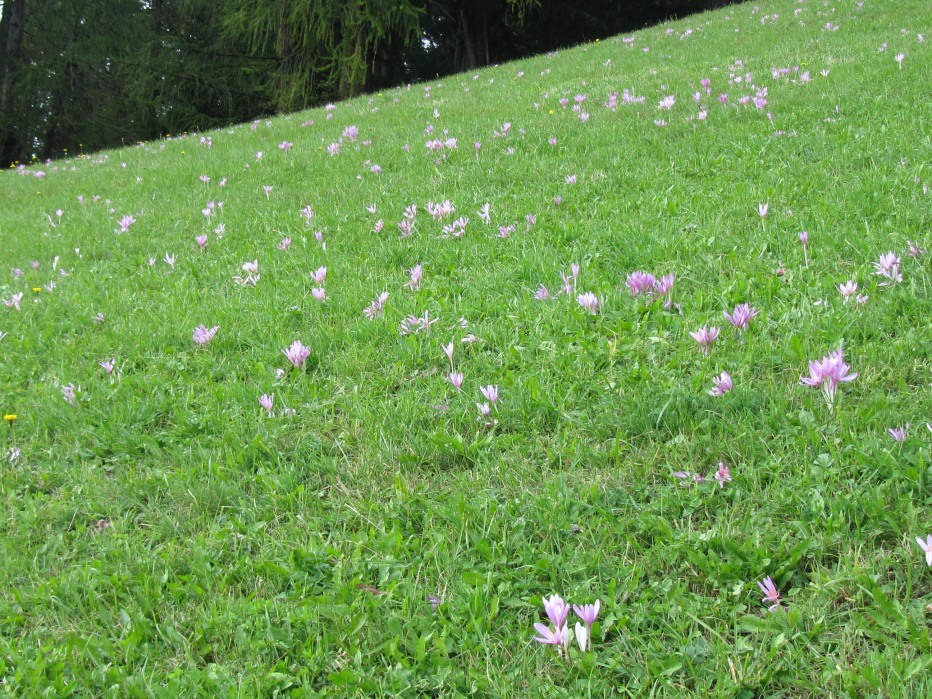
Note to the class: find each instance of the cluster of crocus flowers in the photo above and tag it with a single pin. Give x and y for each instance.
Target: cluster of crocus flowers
(642, 283)
(203, 334)
(705, 337)
(559, 634)
(589, 302)
(721, 476)
(722, 384)
(297, 354)
(889, 268)
(742, 315)
(374, 309)
(827, 373)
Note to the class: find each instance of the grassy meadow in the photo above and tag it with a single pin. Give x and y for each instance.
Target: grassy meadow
(504, 397)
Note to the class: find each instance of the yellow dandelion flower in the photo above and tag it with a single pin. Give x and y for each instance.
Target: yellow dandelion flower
(10, 418)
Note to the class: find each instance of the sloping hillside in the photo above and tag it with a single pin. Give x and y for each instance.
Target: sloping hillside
(529, 374)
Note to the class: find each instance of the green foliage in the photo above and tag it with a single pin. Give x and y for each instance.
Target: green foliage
(320, 48)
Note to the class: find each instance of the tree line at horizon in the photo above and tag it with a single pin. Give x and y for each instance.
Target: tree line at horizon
(81, 75)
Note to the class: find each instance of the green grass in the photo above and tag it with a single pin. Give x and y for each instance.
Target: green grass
(165, 537)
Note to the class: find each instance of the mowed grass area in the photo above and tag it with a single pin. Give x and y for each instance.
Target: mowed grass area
(373, 534)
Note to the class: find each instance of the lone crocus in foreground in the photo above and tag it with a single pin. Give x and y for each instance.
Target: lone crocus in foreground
(828, 373)
(203, 335)
(297, 353)
(927, 547)
(705, 337)
(771, 593)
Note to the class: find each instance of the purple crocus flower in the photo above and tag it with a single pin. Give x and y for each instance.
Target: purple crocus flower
(741, 316)
(557, 610)
(589, 301)
(723, 384)
(203, 335)
(266, 401)
(899, 433)
(588, 612)
(827, 373)
(771, 594)
(705, 337)
(297, 353)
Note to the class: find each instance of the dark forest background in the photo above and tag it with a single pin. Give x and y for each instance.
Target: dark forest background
(90, 74)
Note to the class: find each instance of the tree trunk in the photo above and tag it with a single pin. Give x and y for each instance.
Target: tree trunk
(12, 25)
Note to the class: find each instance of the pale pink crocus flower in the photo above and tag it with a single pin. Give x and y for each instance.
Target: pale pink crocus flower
(723, 384)
(899, 59)
(297, 353)
(484, 410)
(490, 392)
(899, 434)
(267, 188)
(266, 401)
(285, 244)
(848, 289)
(589, 302)
(416, 273)
(912, 249)
(926, 546)
(828, 373)
(203, 335)
(762, 209)
(448, 350)
(455, 378)
(571, 179)
(319, 275)
(771, 594)
(14, 300)
(705, 337)
(201, 241)
(251, 267)
(542, 293)
(588, 612)
(889, 267)
(170, 260)
(741, 316)
(804, 239)
(125, 223)
(107, 365)
(557, 610)
(374, 310)
(559, 637)
(319, 293)
(69, 393)
(722, 475)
